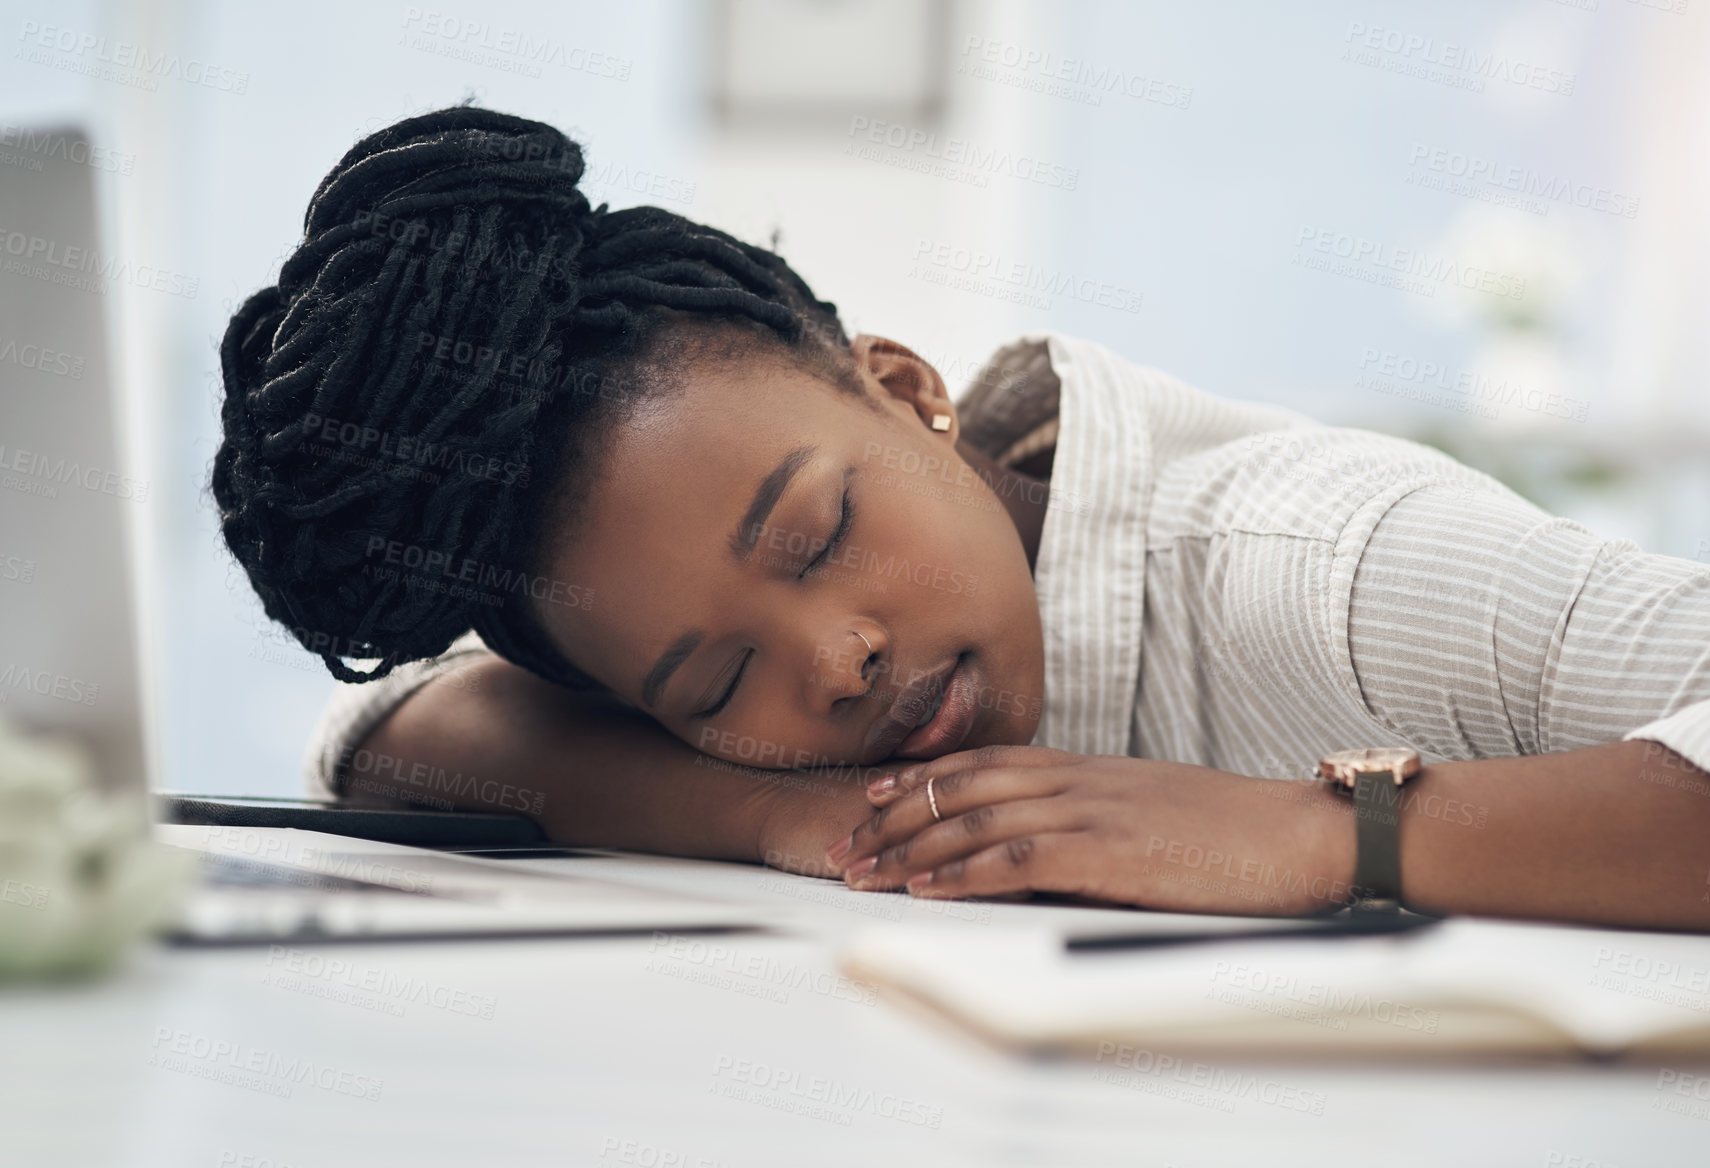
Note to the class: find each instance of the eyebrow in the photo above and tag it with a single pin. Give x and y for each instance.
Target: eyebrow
(742, 542)
(667, 664)
(766, 497)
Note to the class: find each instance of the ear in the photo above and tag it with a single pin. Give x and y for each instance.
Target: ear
(909, 381)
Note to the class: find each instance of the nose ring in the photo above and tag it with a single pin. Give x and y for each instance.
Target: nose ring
(864, 641)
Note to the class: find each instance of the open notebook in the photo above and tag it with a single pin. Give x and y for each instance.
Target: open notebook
(1459, 987)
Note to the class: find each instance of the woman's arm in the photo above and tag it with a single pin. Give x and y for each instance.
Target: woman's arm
(490, 736)
(1615, 834)
(1479, 629)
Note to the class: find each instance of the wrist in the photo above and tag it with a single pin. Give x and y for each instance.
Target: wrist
(1327, 834)
(802, 813)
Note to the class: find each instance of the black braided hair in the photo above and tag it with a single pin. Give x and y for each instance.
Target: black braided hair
(456, 302)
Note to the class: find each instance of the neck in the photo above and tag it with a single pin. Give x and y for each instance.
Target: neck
(1022, 496)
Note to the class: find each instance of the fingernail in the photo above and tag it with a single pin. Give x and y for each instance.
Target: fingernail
(883, 786)
(839, 849)
(861, 867)
(919, 880)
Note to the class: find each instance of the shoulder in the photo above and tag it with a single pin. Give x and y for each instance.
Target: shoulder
(353, 710)
(1306, 481)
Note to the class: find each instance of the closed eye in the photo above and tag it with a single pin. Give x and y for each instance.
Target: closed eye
(729, 690)
(845, 519)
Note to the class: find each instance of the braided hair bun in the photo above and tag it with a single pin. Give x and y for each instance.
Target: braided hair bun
(399, 404)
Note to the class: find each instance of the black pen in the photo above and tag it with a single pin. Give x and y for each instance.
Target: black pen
(1338, 926)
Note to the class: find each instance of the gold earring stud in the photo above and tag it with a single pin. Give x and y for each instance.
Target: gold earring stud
(941, 422)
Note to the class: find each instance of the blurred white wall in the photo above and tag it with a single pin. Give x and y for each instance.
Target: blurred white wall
(1262, 198)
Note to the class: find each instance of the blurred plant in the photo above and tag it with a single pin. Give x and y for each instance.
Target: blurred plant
(1551, 476)
(79, 877)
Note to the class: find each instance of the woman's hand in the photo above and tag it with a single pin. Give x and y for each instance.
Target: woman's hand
(802, 812)
(1156, 834)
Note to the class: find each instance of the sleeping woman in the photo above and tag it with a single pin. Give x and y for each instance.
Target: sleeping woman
(604, 519)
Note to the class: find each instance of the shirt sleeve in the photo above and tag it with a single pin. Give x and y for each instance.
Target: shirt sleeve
(1480, 626)
(354, 709)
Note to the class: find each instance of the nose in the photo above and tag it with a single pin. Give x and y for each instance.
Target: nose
(846, 665)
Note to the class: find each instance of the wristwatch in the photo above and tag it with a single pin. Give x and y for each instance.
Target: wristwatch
(1374, 777)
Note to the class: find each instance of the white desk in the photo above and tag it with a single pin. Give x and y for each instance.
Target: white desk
(610, 1052)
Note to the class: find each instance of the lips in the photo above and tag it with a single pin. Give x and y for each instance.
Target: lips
(949, 693)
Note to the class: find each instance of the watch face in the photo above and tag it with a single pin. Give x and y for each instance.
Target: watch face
(1346, 766)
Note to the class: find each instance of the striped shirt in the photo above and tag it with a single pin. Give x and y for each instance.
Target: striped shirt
(1231, 585)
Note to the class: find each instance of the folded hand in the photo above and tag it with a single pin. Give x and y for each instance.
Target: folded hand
(1135, 831)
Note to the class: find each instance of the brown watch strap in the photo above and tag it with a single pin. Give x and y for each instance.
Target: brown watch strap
(1377, 856)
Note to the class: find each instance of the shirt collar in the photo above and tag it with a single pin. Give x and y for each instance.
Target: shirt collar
(1090, 574)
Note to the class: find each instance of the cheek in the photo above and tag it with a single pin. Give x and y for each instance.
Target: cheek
(940, 523)
(960, 542)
